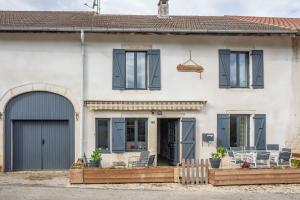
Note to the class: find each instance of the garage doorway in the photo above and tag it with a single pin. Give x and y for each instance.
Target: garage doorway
(167, 142)
(40, 145)
(39, 132)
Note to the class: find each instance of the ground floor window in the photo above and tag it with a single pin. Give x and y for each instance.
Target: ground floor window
(136, 133)
(102, 134)
(239, 130)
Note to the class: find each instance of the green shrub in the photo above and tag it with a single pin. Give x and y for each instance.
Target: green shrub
(219, 154)
(96, 155)
(296, 163)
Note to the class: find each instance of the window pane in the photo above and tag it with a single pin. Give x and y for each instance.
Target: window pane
(243, 64)
(141, 134)
(233, 131)
(129, 70)
(141, 70)
(239, 130)
(244, 133)
(130, 129)
(233, 69)
(103, 134)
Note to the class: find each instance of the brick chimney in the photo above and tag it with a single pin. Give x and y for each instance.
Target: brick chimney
(163, 8)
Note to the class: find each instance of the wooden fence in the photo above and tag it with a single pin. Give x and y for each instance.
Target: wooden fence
(193, 171)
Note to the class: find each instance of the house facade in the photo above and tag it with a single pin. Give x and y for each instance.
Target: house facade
(72, 82)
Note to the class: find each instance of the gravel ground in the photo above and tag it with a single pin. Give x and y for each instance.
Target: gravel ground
(54, 185)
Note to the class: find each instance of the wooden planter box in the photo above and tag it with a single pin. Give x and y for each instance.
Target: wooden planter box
(218, 177)
(134, 175)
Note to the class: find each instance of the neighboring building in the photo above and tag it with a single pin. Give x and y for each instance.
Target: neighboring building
(134, 96)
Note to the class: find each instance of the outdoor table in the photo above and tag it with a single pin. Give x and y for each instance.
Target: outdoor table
(250, 155)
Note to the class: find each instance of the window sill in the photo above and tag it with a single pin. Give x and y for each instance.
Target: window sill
(240, 89)
(136, 89)
(133, 151)
(106, 152)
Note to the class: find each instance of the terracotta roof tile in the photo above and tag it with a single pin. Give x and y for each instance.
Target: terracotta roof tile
(79, 20)
(289, 23)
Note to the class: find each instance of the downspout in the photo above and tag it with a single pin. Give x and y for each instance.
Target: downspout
(82, 37)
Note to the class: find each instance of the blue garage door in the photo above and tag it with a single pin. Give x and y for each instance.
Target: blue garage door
(39, 132)
(40, 145)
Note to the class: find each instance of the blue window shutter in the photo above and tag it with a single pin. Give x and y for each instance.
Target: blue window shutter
(119, 69)
(154, 69)
(258, 69)
(260, 131)
(223, 123)
(224, 68)
(118, 135)
(188, 138)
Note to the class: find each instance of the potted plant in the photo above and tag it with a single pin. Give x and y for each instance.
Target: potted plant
(216, 157)
(96, 158)
(245, 165)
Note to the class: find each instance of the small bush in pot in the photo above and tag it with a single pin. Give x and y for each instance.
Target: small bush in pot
(216, 157)
(96, 158)
(245, 165)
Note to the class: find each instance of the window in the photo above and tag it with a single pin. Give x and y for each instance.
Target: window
(239, 69)
(136, 70)
(136, 130)
(239, 130)
(102, 134)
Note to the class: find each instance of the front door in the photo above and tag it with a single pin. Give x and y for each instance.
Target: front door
(173, 141)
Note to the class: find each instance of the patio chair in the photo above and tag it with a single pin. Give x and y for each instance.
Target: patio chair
(284, 159)
(261, 148)
(85, 160)
(139, 161)
(272, 147)
(250, 148)
(151, 160)
(236, 148)
(262, 160)
(286, 150)
(234, 158)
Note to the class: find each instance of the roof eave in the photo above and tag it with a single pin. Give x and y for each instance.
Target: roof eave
(144, 30)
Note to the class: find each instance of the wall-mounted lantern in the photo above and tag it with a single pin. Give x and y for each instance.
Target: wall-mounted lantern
(77, 116)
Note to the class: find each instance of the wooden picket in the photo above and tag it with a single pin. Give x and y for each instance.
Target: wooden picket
(193, 171)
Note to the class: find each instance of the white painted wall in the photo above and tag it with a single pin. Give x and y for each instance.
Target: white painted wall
(55, 59)
(274, 100)
(46, 58)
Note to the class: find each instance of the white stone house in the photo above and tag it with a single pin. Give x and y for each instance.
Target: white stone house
(71, 82)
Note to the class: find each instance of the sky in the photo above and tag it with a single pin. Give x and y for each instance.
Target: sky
(279, 8)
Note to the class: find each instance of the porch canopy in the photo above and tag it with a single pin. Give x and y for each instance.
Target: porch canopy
(145, 105)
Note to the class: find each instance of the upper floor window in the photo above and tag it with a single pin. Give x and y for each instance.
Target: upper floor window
(234, 70)
(136, 70)
(239, 69)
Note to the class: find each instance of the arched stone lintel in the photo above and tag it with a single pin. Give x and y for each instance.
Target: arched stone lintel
(34, 87)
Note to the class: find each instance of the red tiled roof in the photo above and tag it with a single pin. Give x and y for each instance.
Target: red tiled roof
(61, 20)
(289, 23)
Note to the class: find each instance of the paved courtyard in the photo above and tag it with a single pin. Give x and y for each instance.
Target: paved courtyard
(54, 185)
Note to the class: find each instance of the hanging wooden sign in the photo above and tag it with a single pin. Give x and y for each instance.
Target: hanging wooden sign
(190, 66)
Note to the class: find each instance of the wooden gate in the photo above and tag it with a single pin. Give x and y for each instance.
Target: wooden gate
(193, 171)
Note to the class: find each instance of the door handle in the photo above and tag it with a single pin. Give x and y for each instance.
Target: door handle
(43, 141)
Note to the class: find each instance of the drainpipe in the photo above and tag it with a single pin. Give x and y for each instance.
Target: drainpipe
(82, 94)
